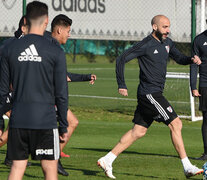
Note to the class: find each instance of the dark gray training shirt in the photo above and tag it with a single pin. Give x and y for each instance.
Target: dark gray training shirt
(152, 55)
(199, 49)
(36, 68)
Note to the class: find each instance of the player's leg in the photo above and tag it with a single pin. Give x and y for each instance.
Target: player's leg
(204, 135)
(177, 140)
(18, 152)
(46, 148)
(129, 138)
(141, 124)
(17, 169)
(203, 108)
(176, 136)
(126, 140)
(166, 114)
(49, 168)
(73, 123)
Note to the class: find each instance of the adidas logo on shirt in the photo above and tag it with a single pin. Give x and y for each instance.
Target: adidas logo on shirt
(156, 51)
(30, 54)
(205, 43)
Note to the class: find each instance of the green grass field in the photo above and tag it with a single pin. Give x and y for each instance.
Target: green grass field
(104, 121)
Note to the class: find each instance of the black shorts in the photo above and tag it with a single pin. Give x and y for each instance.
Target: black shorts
(203, 99)
(153, 107)
(42, 144)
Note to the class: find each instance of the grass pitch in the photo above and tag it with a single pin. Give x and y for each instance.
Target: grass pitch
(104, 121)
(152, 157)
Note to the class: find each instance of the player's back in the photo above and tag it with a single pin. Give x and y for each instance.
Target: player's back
(32, 60)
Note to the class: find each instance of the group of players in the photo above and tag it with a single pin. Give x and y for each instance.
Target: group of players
(60, 32)
(33, 70)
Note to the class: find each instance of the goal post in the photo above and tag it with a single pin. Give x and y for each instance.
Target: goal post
(176, 75)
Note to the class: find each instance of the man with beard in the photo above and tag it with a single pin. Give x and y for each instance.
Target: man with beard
(152, 53)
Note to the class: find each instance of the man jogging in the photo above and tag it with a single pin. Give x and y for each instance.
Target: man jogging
(152, 53)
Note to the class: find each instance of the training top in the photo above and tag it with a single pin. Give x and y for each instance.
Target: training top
(36, 68)
(200, 49)
(152, 57)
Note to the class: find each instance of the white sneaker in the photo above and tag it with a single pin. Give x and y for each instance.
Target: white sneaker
(192, 171)
(106, 167)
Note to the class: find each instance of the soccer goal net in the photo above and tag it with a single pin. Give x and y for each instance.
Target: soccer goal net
(177, 91)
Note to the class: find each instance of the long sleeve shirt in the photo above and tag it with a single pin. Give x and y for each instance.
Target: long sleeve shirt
(36, 68)
(152, 56)
(200, 49)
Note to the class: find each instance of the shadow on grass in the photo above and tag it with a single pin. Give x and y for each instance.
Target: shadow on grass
(32, 176)
(96, 173)
(126, 152)
(85, 171)
(122, 111)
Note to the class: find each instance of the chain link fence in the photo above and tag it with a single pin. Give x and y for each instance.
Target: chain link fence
(107, 27)
(123, 20)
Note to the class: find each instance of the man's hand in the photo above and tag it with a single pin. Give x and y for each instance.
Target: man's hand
(64, 137)
(93, 78)
(123, 92)
(68, 79)
(195, 93)
(196, 60)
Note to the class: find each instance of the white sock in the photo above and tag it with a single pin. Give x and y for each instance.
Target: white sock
(110, 157)
(186, 163)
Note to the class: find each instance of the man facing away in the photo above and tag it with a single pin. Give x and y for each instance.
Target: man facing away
(152, 53)
(200, 49)
(36, 69)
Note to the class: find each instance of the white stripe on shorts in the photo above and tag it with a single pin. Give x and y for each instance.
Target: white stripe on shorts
(158, 107)
(56, 144)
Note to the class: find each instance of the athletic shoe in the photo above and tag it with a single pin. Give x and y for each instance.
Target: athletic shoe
(106, 167)
(8, 162)
(61, 170)
(192, 171)
(62, 154)
(203, 157)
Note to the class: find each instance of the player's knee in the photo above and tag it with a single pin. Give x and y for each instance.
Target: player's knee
(176, 125)
(139, 134)
(74, 124)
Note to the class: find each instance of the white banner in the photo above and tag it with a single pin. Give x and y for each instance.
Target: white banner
(108, 19)
(10, 14)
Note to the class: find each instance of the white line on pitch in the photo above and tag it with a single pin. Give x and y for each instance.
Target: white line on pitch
(117, 98)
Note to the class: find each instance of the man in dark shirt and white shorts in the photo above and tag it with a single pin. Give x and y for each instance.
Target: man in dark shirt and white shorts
(152, 53)
(36, 69)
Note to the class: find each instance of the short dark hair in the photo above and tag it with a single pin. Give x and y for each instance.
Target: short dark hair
(18, 32)
(35, 10)
(61, 20)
